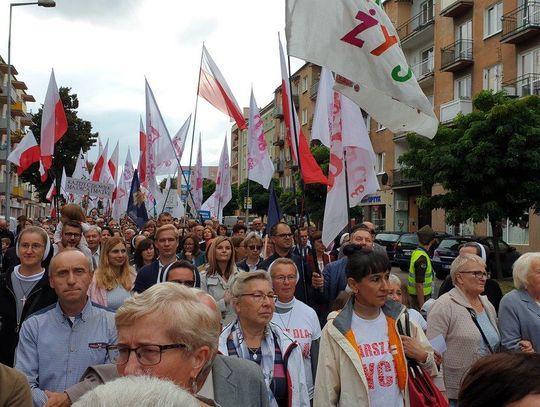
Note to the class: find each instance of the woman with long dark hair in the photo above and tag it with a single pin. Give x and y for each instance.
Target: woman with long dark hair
(145, 253)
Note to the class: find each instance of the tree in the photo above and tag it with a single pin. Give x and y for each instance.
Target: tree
(259, 196)
(488, 163)
(78, 135)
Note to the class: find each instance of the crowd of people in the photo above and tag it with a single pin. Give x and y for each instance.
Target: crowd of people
(252, 316)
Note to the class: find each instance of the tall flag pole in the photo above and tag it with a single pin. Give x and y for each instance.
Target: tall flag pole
(358, 41)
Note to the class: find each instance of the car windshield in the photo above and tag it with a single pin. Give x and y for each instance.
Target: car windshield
(452, 244)
(387, 237)
(409, 239)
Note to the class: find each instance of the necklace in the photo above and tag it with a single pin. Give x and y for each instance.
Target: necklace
(254, 352)
(286, 327)
(23, 299)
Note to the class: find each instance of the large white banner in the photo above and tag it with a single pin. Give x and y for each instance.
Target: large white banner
(87, 187)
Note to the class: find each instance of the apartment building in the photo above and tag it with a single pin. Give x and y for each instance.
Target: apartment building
(22, 194)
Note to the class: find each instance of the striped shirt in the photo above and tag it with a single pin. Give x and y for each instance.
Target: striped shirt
(55, 350)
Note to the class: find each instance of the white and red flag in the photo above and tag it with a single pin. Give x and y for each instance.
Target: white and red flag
(113, 169)
(81, 169)
(143, 159)
(214, 88)
(53, 122)
(311, 172)
(120, 204)
(100, 165)
(197, 180)
(26, 153)
(52, 191)
(260, 166)
(179, 140)
(356, 39)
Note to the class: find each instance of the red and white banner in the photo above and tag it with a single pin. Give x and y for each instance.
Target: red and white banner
(100, 165)
(214, 88)
(53, 122)
(260, 166)
(143, 159)
(26, 153)
(356, 39)
(311, 172)
(120, 204)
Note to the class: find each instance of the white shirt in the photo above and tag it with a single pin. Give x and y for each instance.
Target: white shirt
(379, 368)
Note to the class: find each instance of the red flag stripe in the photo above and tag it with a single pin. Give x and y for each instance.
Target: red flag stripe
(28, 157)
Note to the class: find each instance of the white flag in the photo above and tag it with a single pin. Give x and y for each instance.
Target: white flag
(335, 210)
(120, 204)
(356, 39)
(210, 205)
(223, 193)
(260, 166)
(322, 117)
(179, 140)
(197, 180)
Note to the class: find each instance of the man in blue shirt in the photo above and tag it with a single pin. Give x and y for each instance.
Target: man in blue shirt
(58, 343)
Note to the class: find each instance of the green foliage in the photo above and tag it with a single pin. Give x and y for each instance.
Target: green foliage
(208, 188)
(488, 162)
(78, 135)
(164, 181)
(259, 196)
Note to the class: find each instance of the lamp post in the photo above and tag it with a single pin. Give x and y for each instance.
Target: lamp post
(42, 3)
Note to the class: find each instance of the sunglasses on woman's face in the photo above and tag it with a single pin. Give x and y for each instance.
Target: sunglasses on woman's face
(253, 247)
(187, 283)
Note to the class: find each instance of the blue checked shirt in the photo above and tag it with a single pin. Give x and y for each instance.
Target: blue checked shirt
(53, 352)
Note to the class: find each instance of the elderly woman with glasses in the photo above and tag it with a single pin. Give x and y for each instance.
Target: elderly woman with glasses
(253, 245)
(465, 319)
(252, 336)
(519, 312)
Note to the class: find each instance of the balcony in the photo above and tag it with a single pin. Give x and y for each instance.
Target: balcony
(457, 56)
(521, 24)
(26, 120)
(450, 110)
(280, 141)
(424, 70)
(525, 85)
(4, 92)
(3, 153)
(17, 109)
(3, 125)
(291, 165)
(417, 30)
(313, 90)
(455, 8)
(400, 180)
(278, 112)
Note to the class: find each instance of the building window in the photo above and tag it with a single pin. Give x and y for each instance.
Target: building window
(379, 166)
(304, 117)
(304, 84)
(426, 12)
(492, 20)
(512, 233)
(493, 78)
(427, 61)
(463, 88)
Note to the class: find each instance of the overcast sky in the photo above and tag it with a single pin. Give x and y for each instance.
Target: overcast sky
(103, 49)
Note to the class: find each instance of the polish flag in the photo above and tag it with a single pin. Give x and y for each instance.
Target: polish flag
(100, 164)
(142, 155)
(113, 169)
(52, 191)
(214, 88)
(53, 122)
(26, 153)
(311, 172)
(42, 172)
(197, 183)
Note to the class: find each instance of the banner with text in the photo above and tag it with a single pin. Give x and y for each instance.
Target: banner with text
(87, 187)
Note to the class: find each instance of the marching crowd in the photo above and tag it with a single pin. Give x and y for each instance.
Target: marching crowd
(187, 312)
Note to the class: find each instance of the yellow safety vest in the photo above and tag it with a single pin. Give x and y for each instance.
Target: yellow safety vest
(428, 280)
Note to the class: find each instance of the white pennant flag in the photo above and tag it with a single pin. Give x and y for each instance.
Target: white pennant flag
(197, 180)
(322, 117)
(356, 39)
(335, 210)
(260, 166)
(122, 191)
(223, 193)
(179, 140)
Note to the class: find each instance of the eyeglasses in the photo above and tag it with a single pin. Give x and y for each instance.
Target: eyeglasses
(254, 247)
(147, 355)
(187, 283)
(478, 274)
(70, 235)
(282, 279)
(285, 235)
(33, 246)
(260, 297)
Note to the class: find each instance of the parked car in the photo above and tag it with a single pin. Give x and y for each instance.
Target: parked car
(388, 240)
(406, 244)
(448, 250)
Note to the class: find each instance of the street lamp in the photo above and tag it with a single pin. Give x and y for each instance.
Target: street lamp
(42, 3)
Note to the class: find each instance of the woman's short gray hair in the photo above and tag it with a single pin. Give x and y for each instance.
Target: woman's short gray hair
(283, 261)
(460, 261)
(393, 279)
(179, 307)
(521, 268)
(238, 284)
(252, 236)
(145, 391)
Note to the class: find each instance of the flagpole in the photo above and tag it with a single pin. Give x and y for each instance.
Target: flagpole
(295, 133)
(188, 185)
(247, 200)
(347, 190)
(169, 190)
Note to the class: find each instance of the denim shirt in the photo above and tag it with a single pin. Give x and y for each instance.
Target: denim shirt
(54, 352)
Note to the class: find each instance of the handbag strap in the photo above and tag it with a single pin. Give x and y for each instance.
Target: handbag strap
(475, 320)
(407, 332)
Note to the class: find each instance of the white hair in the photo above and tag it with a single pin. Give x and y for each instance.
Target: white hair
(143, 391)
(393, 279)
(460, 261)
(521, 269)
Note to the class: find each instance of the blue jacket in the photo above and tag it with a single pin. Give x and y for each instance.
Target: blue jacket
(146, 277)
(519, 319)
(335, 279)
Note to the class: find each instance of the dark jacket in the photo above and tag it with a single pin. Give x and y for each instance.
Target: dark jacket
(244, 266)
(146, 277)
(10, 259)
(41, 296)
